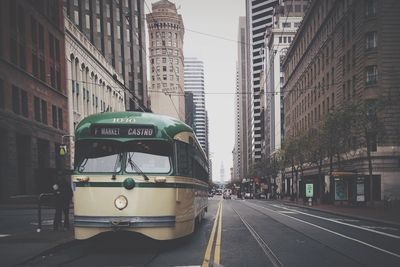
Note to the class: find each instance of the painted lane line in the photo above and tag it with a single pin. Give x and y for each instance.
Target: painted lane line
(4, 235)
(217, 252)
(207, 255)
(332, 232)
(267, 250)
(338, 221)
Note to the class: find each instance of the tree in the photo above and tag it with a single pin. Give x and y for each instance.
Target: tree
(369, 128)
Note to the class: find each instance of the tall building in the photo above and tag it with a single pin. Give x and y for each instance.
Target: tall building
(166, 32)
(93, 85)
(242, 148)
(242, 154)
(286, 20)
(116, 29)
(194, 83)
(259, 17)
(346, 52)
(33, 96)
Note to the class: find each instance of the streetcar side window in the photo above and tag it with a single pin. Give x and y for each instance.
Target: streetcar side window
(183, 159)
(190, 162)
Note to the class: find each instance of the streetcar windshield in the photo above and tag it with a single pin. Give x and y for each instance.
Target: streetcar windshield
(111, 163)
(148, 163)
(109, 156)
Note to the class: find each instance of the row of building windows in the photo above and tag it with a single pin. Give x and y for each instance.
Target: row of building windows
(317, 20)
(164, 60)
(163, 35)
(164, 51)
(19, 46)
(20, 106)
(164, 43)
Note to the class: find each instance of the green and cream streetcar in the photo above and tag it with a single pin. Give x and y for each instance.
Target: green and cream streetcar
(138, 172)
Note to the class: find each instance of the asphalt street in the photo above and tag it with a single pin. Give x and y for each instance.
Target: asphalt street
(243, 233)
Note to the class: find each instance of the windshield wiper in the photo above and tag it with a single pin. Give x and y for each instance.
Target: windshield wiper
(136, 167)
(114, 175)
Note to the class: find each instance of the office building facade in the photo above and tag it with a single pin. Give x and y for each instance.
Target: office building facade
(166, 31)
(116, 29)
(33, 96)
(194, 83)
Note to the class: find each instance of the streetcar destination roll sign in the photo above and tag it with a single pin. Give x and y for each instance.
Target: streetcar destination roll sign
(122, 131)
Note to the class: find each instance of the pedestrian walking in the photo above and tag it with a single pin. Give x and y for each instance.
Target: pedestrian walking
(63, 196)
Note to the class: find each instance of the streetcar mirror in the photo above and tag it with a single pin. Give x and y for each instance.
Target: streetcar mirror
(63, 150)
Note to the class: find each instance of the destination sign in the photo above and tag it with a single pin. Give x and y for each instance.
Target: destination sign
(123, 131)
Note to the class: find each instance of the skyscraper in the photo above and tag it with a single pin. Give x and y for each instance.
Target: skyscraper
(166, 32)
(115, 27)
(259, 17)
(241, 155)
(194, 83)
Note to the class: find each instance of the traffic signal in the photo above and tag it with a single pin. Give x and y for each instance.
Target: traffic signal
(63, 150)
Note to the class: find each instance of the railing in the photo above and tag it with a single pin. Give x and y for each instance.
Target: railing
(41, 198)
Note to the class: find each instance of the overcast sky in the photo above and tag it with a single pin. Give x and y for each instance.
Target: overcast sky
(219, 18)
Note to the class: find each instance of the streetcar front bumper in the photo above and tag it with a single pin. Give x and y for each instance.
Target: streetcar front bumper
(124, 221)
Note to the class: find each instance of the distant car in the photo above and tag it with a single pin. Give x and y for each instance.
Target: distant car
(210, 194)
(247, 195)
(261, 196)
(227, 195)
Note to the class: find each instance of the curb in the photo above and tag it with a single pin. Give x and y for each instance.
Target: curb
(391, 223)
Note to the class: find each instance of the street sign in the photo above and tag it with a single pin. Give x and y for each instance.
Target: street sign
(309, 190)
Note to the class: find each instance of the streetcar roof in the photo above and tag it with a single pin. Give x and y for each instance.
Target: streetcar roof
(165, 127)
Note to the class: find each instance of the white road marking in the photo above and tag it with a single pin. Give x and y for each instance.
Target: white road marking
(343, 223)
(345, 220)
(380, 227)
(332, 232)
(286, 211)
(4, 235)
(44, 222)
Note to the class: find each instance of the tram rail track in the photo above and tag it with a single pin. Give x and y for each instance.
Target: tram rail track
(261, 242)
(359, 263)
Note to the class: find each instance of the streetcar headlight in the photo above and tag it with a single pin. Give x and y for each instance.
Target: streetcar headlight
(121, 202)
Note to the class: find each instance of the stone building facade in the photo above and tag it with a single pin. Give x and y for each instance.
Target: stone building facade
(116, 28)
(33, 96)
(93, 85)
(343, 52)
(166, 32)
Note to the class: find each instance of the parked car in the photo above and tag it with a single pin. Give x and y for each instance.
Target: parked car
(247, 195)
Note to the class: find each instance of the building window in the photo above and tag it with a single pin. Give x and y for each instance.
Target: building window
(87, 21)
(97, 6)
(372, 74)
(40, 109)
(370, 8)
(76, 17)
(1, 94)
(371, 40)
(15, 100)
(98, 25)
(286, 24)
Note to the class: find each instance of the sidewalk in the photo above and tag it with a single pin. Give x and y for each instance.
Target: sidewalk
(375, 214)
(19, 239)
(19, 248)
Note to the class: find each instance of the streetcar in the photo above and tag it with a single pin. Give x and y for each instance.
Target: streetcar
(138, 172)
